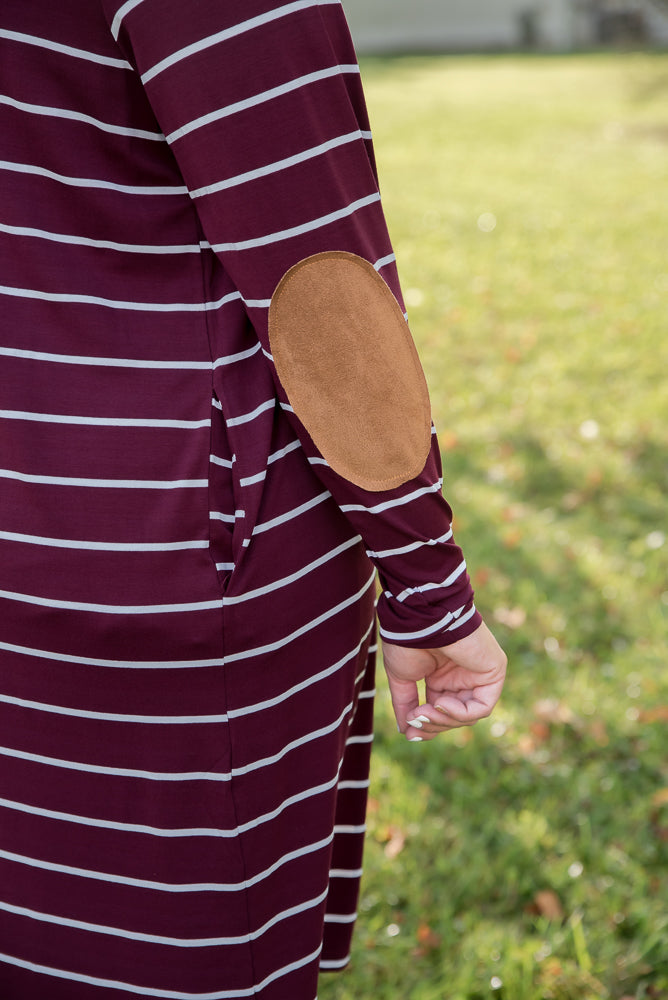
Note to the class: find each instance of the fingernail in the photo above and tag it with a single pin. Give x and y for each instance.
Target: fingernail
(415, 739)
(416, 723)
(398, 728)
(423, 718)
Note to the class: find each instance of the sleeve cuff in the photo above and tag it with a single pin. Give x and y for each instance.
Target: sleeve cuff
(425, 626)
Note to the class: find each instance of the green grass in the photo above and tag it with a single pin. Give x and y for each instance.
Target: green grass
(527, 859)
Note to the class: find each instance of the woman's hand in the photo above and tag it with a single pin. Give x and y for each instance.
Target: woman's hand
(463, 683)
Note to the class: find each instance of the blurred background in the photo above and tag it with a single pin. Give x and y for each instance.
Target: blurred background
(548, 25)
(523, 157)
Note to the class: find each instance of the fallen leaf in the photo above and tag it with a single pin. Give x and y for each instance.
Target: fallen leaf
(660, 798)
(548, 904)
(600, 733)
(448, 440)
(510, 617)
(512, 538)
(526, 745)
(395, 844)
(540, 732)
(658, 714)
(551, 710)
(428, 940)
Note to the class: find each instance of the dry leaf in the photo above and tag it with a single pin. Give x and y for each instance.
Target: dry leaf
(599, 732)
(428, 940)
(448, 440)
(526, 745)
(510, 617)
(551, 710)
(658, 714)
(548, 904)
(512, 538)
(660, 798)
(395, 844)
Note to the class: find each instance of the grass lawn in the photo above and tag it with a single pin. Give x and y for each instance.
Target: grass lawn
(527, 859)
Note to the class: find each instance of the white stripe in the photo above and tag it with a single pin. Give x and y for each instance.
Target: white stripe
(456, 573)
(230, 359)
(293, 745)
(83, 925)
(263, 97)
(257, 304)
(354, 740)
(274, 457)
(345, 873)
(176, 887)
(314, 623)
(437, 627)
(112, 484)
(464, 618)
(334, 963)
(67, 50)
(76, 359)
(291, 514)
(278, 165)
(173, 832)
(216, 515)
(120, 14)
(49, 112)
(91, 182)
(224, 463)
(236, 713)
(95, 300)
(147, 991)
(403, 549)
(285, 581)
(340, 918)
(111, 609)
(353, 784)
(71, 543)
(245, 418)
(400, 501)
(81, 713)
(345, 828)
(62, 418)
(306, 227)
(91, 661)
(121, 772)
(84, 241)
(384, 261)
(223, 566)
(222, 36)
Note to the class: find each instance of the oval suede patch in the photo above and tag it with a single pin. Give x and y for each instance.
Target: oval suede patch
(347, 361)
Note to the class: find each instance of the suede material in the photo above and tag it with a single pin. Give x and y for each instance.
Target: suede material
(346, 359)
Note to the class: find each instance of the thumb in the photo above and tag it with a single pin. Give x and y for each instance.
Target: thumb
(404, 695)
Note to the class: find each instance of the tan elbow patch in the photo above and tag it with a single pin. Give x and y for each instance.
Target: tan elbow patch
(347, 361)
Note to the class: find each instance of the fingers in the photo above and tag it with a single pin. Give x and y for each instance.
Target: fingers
(405, 699)
(452, 711)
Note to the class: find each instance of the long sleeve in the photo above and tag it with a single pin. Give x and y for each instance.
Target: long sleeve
(262, 106)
